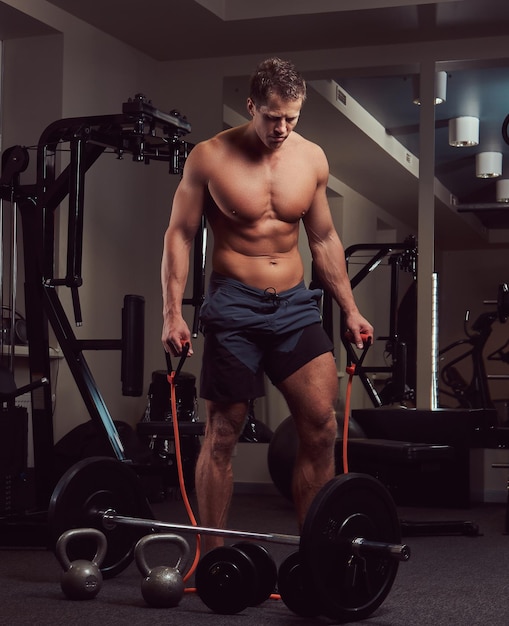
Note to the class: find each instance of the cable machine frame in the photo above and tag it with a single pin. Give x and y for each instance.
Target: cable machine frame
(147, 134)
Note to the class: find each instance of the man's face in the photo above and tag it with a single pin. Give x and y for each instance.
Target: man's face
(274, 120)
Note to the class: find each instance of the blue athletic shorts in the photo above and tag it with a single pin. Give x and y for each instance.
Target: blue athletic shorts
(249, 332)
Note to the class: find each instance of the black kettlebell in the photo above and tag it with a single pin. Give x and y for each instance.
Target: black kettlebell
(162, 586)
(81, 579)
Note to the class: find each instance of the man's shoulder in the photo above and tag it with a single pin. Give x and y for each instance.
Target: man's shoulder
(309, 149)
(223, 138)
(306, 143)
(210, 147)
(203, 151)
(207, 154)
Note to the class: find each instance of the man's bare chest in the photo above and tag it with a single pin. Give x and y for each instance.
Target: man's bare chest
(253, 191)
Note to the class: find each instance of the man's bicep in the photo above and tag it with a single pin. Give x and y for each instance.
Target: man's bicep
(190, 197)
(187, 208)
(318, 220)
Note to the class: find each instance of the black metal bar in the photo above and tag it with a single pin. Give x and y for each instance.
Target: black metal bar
(199, 258)
(56, 189)
(381, 251)
(38, 356)
(133, 345)
(393, 305)
(75, 217)
(82, 375)
(369, 267)
(46, 179)
(99, 344)
(76, 305)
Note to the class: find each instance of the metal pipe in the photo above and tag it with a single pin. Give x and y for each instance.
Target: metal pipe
(359, 545)
(2, 275)
(13, 282)
(434, 341)
(110, 519)
(362, 547)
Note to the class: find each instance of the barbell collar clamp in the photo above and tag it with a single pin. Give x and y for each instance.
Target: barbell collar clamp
(361, 547)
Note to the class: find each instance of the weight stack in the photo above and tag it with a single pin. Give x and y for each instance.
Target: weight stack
(156, 428)
(13, 459)
(159, 396)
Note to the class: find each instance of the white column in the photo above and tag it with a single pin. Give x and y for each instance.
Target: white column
(426, 238)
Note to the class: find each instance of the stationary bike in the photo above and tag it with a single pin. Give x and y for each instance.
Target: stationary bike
(475, 394)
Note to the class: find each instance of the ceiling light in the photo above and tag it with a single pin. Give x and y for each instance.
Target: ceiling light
(464, 131)
(440, 88)
(503, 190)
(488, 164)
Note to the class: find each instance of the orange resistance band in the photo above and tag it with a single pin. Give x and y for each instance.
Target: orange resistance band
(350, 370)
(178, 456)
(180, 472)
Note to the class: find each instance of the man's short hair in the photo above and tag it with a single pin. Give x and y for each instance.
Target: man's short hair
(275, 76)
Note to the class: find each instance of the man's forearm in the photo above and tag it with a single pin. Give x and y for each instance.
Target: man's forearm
(174, 273)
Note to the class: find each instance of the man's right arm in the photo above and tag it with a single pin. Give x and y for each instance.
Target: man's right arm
(185, 219)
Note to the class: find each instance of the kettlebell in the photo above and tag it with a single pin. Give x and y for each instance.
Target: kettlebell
(81, 579)
(162, 586)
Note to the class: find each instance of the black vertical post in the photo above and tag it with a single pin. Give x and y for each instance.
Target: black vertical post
(133, 345)
(39, 361)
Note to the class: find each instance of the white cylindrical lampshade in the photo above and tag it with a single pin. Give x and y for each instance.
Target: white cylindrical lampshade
(440, 88)
(503, 190)
(488, 164)
(464, 131)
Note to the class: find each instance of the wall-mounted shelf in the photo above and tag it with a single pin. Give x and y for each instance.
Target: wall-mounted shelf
(23, 351)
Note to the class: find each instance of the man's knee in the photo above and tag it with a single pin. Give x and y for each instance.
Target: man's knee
(224, 425)
(318, 433)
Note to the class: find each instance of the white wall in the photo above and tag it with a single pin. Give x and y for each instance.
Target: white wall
(32, 66)
(83, 72)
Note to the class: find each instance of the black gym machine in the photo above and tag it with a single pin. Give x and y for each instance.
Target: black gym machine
(398, 439)
(400, 257)
(146, 134)
(475, 394)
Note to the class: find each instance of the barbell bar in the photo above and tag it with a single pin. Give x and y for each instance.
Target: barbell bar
(359, 545)
(350, 545)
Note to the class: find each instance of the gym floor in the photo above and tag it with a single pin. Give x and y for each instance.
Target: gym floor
(454, 580)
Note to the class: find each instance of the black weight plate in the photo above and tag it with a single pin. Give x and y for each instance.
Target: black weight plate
(225, 578)
(298, 597)
(266, 570)
(96, 484)
(352, 505)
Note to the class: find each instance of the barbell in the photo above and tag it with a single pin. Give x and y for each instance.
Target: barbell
(349, 549)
